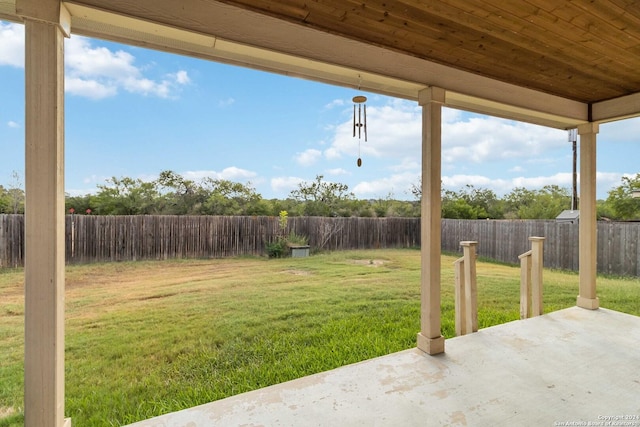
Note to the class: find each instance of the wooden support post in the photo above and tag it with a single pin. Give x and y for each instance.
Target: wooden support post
(470, 285)
(460, 300)
(531, 283)
(46, 24)
(430, 339)
(466, 290)
(588, 227)
(525, 285)
(536, 275)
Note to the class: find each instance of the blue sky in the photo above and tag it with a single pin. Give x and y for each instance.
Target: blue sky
(135, 112)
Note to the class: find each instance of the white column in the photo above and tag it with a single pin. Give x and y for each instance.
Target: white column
(44, 212)
(588, 226)
(430, 339)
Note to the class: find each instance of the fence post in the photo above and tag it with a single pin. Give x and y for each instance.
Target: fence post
(466, 290)
(531, 265)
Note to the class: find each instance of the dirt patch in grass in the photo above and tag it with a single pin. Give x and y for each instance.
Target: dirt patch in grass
(6, 412)
(370, 262)
(157, 296)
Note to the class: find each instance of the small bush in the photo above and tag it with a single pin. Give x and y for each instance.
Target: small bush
(277, 249)
(294, 239)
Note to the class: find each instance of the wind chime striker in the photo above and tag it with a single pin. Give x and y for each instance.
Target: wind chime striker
(360, 121)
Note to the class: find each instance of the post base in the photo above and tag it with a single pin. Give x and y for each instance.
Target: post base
(431, 346)
(588, 303)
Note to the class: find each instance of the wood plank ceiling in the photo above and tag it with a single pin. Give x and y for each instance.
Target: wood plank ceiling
(587, 51)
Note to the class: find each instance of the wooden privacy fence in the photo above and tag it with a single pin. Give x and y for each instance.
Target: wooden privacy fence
(91, 238)
(504, 240)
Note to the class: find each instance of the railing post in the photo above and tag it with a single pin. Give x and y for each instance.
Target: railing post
(460, 303)
(536, 274)
(531, 266)
(525, 285)
(466, 290)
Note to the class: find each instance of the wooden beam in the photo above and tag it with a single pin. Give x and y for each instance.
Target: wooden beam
(44, 224)
(616, 109)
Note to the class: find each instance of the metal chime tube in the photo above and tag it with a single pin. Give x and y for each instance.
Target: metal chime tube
(365, 122)
(359, 121)
(354, 120)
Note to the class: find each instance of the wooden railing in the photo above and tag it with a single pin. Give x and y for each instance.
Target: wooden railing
(531, 263)
(466, 290)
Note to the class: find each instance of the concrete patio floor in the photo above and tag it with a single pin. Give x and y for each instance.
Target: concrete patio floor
(570, 367)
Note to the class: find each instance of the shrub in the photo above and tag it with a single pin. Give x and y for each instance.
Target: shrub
(277, 249)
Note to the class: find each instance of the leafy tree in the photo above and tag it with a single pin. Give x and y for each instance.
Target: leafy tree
(12, 198)
(126, 196)
(179, 196)
(454, 206)
(516, 200)
(604, 210)
(404, 209)
(468, 203)
(621, 200)
(276, 205)
(546, 203)
(322, 198)
(4, 200)
(471, 203)
(232, 198)
(80, 204)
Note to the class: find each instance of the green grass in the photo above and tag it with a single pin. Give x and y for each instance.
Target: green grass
(148, 338)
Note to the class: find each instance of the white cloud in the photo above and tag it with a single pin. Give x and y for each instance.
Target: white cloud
(12, 44)
(308, 157)
(604, 182)
(334, 103)
(89, 88)
(226, 102)
(92, 71)
(561, 179)
(337, 171)
(285, 184)
(398, 185)
(95, 179)
(181, 77)
(13, 124)
(623, 131)
(97, 72)
(231, 174)
(482, 139)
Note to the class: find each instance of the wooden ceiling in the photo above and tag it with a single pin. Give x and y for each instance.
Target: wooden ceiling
(583, 50)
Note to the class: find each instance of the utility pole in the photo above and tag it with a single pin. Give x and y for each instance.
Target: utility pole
(574, 195)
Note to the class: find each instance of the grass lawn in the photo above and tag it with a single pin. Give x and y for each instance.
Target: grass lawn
(147, 338)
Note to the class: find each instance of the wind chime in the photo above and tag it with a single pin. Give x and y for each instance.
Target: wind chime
(360, 122)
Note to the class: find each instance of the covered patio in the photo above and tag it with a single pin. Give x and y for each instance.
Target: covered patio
(544, 371)
(565, 65)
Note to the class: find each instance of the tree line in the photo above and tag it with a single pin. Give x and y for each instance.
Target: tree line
(172, 194)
